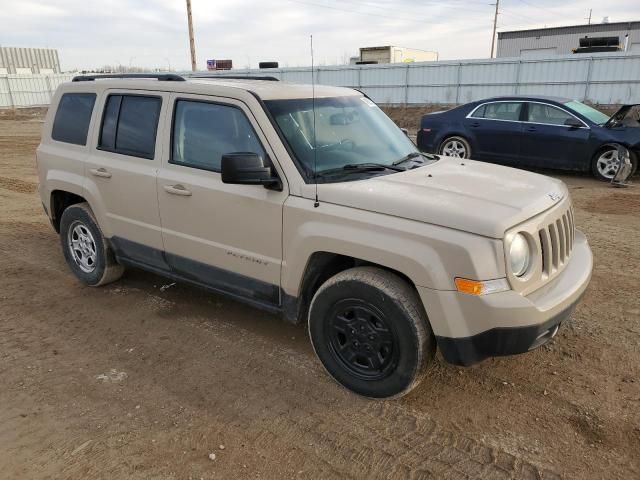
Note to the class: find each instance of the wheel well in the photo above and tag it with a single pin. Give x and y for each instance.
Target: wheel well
(321, 266)
(60, 200)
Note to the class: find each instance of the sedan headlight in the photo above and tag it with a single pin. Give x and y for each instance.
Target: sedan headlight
(519, 255)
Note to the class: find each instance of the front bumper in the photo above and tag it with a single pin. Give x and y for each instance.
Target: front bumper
(471, 328)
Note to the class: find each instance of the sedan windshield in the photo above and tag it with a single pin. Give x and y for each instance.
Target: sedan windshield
(591, 113)
(349, 131)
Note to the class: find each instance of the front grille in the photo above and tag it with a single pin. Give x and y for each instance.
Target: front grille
(556, 242)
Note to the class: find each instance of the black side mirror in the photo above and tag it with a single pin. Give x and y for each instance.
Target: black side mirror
(244, 168)
(573, 122)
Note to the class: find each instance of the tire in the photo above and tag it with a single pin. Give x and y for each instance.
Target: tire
(456, 146)
(607, 157)
(85, 249)
(370, 331)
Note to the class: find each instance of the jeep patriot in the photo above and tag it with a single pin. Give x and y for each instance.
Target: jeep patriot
(314, 206)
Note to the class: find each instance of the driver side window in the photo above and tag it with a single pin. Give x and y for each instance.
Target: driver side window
(203, 132)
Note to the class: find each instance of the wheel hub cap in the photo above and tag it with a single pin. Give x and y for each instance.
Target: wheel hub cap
(454, 148)
(82, 247)
(608, 164)
(361, 340)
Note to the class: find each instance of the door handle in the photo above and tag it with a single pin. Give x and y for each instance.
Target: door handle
(475, 124)
(100, 172)
(532, 129)
(177, 190)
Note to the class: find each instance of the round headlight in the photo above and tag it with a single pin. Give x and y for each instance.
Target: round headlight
(519, 255)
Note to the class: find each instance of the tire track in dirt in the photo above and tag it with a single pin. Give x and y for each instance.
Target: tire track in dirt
(335, 433)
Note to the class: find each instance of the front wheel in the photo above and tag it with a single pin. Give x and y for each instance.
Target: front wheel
(457, 147)
(370, 331)
(605, 164)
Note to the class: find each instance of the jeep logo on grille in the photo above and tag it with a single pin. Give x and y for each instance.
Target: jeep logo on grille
(555, 196)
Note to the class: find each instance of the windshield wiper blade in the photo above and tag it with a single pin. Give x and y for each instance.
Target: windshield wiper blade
(358, 168)
(415, 155)
(371, 166)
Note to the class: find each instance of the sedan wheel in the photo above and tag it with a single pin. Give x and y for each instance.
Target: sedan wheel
(455, 147)
(607, 164)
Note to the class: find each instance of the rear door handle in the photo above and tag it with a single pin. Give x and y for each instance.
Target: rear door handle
(177, 190)
(475, 124)
(100, 172)
(532, 129)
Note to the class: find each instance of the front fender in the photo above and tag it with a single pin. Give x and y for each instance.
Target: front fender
(430, 256)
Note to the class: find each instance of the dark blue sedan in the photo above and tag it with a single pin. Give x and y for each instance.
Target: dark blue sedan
(544, 132)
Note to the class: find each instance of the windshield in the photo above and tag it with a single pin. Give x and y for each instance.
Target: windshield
(349, 131)
(596, 116)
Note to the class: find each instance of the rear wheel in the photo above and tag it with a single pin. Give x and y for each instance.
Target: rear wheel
(370, 331)
(457, 147)
(85, 249)
(605, 164)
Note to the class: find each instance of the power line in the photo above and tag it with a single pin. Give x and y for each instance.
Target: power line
(380, 15)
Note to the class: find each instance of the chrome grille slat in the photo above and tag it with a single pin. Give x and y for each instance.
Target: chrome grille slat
(545, 247)
(553, 235)
(567, 235)
(561, 242)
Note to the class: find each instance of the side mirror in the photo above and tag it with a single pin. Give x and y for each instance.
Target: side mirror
(573, 122)
(244, 168)
(405, 131)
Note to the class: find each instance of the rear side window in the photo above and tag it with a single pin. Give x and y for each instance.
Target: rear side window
(129, 125)
(204, 132)
(499, 111)
(71, 123)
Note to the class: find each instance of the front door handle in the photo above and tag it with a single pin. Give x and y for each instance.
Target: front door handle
(532, 129)
(475, 124)
(100, 172)
(177, 190)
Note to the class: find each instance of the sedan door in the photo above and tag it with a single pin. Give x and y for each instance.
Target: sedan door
(224, 236)
(495, 131)
(548, 141)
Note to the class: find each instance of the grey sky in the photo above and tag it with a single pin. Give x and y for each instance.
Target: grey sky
(153, 33)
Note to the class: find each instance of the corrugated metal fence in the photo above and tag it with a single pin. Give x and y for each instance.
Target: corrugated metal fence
(602, 79)
(29, 90)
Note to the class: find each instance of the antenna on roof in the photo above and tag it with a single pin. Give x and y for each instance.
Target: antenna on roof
(316, 204)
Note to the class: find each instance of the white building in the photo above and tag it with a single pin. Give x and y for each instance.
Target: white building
(391, 54)
(27, 61)
(563, 40)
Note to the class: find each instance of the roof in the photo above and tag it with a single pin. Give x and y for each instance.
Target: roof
(586, 27)
(547, 98)
(266, 90)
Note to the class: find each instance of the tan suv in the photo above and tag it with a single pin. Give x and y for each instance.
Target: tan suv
(316, 207)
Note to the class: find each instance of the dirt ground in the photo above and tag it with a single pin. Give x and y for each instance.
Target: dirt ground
(134, 380)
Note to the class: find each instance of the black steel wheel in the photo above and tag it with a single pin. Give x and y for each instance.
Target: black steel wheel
(370, 331)
(362, 339)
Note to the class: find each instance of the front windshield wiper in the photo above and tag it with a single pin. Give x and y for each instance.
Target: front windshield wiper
(413, 156)
(358, 168)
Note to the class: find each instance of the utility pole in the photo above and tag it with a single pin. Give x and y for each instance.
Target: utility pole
(192, 43)
(495, 24)
(590, 11)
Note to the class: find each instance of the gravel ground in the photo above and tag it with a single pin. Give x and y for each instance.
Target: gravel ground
(135, 381)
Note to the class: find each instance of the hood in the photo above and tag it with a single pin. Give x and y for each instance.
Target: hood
(475, 197)
(620, 114)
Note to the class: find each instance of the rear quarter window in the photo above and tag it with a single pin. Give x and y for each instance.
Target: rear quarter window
(71, 123)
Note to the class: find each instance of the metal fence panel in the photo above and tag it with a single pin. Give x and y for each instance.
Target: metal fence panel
(597, 78)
